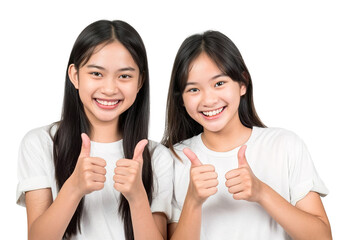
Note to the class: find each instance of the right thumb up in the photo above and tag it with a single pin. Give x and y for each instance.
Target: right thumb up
(86, 146)
(195, 162)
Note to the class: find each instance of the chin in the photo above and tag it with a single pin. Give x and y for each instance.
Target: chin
(107, 118)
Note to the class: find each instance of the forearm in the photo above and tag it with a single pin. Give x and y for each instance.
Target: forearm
(189, 225)
(297, 223)
(144, 226)
(54, 221)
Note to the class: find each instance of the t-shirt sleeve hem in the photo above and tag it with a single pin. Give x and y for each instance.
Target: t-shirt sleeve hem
(172, 221)
(162, 206)
(304, 188)
(29, 185)
(176, 212)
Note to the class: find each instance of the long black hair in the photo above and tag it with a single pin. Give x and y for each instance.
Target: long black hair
(179, 125)
(133, 123)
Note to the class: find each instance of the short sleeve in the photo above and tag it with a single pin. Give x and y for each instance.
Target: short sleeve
(181, 179)
(162, 165)
(176, 211)
(303, 176)
(33, 163)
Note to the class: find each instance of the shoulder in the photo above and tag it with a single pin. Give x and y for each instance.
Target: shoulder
(275, 135)
(192, 143)
(158, 151)
(281, 141)
(39, 136)
(161, 159)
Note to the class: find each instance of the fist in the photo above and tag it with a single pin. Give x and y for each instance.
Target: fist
(203, 178)
(128, 174)
(89, 172)
(241, 182)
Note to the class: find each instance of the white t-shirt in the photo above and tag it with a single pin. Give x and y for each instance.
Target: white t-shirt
(277, 157)
(100, 218)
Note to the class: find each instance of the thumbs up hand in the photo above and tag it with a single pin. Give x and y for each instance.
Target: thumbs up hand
(128, 174)
(89, 172)
(203, 178)
(241, 182)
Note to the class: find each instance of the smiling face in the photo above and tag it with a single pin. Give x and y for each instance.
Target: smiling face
(107, 83)
(210, 97)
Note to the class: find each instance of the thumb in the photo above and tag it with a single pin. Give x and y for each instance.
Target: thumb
(86, 145)
(140, 147)
(242, 162)
(195, 162)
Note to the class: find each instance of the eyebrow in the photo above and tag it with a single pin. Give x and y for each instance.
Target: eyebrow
(219, 75)
(95, 66)
(127, 69)
(119, 70)
(213, 78)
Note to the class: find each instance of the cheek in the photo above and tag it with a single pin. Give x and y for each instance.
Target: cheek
(234, 100)
(85, 89)
(190, 104)
(130, 90)
(232, 95)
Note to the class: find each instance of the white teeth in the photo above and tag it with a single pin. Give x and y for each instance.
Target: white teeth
(213, 113)
(107, 103)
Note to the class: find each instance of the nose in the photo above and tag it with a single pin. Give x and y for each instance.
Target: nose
(209, 98)
(110, 86)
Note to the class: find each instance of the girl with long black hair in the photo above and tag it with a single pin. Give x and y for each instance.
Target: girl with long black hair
(90, 175)
(234, 177)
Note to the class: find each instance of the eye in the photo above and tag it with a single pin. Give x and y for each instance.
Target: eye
(192, 90)
(219, 83)
(125, 76)
(96, 74)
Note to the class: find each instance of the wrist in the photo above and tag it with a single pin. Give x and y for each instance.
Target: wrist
(263, 193)
(140, 198)
(71, 189)
(192, 202)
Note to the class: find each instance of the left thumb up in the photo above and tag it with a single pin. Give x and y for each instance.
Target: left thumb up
(140, 147)
(242, 162)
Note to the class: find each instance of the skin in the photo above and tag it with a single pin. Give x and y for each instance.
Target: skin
(208, 90)
(110, 74)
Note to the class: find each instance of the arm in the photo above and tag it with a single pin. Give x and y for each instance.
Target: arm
(145, 224)
(128, 181)
(48, 219)
(189, 225)
(203, 182)
(307, 220)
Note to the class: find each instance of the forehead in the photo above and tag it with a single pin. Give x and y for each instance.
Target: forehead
(203, 67)
(112, 55)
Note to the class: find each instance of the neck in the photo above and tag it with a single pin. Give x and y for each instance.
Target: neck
(227, 139)
(105, 132)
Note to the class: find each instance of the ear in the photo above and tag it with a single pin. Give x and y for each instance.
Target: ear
(140, 83)
(243, 84)
(73, 75)
(242, 89)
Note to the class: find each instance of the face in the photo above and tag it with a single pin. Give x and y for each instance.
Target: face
(107, 83)
(210, 97)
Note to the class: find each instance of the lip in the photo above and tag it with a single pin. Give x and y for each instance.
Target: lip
(107, 107)
(214, 116)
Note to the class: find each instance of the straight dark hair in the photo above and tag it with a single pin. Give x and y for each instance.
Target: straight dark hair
(179, 125)
(133, 123)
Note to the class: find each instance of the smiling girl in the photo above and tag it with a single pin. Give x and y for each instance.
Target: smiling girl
(234, 178)
(90, 175)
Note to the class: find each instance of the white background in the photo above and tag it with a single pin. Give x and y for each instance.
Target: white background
(294, 51)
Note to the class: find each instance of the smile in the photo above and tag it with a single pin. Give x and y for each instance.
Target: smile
(106, 102)
(213, 112)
